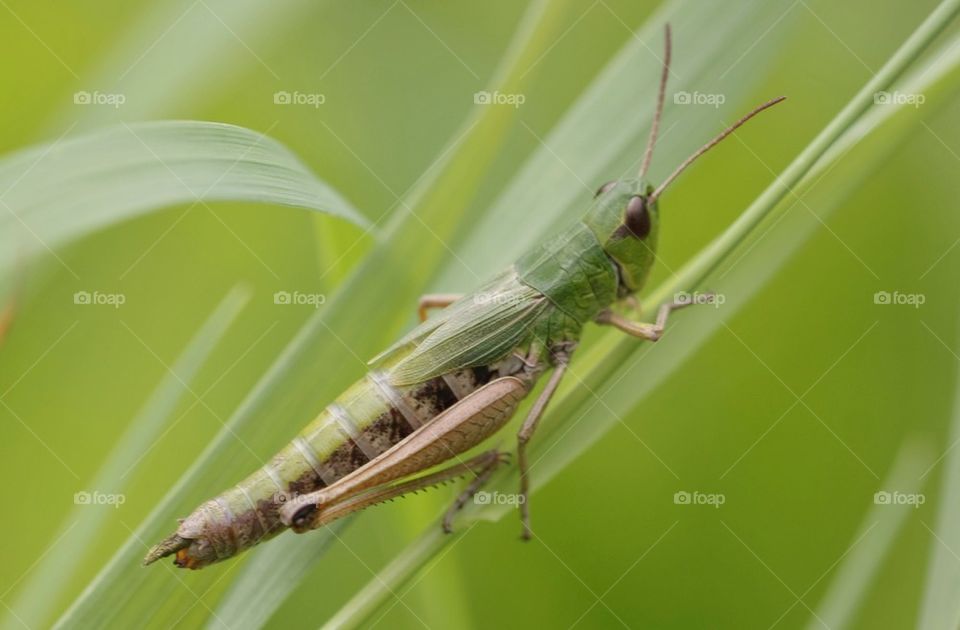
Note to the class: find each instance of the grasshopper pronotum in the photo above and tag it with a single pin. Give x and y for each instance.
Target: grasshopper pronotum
(454, 380)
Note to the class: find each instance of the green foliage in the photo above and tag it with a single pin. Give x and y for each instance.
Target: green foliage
(797, 399)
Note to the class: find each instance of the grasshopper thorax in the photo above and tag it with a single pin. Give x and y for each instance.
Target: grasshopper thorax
(626, 224)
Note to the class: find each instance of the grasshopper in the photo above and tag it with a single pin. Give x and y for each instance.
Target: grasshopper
(453, 381)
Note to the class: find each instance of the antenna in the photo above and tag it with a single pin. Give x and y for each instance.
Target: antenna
(726, 132)
(655, 127)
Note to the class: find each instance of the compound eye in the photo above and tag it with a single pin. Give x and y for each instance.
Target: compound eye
(605, 188)
(637, 217)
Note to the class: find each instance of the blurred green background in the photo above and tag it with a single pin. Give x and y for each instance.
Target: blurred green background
(795, 410)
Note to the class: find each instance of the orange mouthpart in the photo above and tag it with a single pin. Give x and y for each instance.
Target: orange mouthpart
(184, 561)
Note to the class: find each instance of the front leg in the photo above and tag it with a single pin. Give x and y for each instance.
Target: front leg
(650, 332)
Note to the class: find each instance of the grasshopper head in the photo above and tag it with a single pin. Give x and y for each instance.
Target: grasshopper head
(625, 215)
(626, 223)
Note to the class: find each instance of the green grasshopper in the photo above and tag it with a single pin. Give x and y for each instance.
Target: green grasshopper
(454, 380)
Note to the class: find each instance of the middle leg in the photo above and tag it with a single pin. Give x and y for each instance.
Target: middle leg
(524, 435)
(435, 300)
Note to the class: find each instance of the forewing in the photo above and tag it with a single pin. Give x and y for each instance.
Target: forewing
(486, 327)
(415, 337)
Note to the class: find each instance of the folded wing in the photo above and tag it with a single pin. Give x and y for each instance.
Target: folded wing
(476, 330)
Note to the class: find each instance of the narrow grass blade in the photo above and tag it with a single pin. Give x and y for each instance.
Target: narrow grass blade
(390, 580)
(940, 607)
(711, 257)
(269, 576)
(862, 560)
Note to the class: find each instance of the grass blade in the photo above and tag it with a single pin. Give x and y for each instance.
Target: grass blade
(601, 364)
(194, 51)
(390, 579)
(873, 541)
(710, 258)
(602, 134)
(61, 191)
(106, 596)
(269, 576)
(940, 607)
(50, 577)
(288, 391)
(533, 36)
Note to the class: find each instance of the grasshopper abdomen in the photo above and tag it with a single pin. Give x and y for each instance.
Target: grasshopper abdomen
(368, 419)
